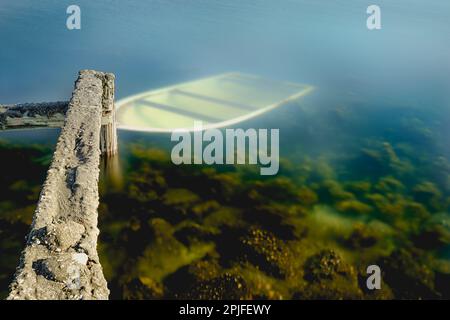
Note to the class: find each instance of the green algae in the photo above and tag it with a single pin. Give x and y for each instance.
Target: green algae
(216, 232)
(279, 238)
(308, 233)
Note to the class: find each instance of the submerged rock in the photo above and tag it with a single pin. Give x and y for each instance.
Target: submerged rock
(408, 276)
(267, 253)
(323, 266)
(432, 236)
(225, 287)
(186, 278)
(190, 233)
(328, 277)
(273, 218)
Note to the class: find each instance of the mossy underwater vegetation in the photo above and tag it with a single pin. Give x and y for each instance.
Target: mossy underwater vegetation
(378, 194)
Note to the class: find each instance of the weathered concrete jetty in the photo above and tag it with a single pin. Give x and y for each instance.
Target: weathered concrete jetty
(60, 259)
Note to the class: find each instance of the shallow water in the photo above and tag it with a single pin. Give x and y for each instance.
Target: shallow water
(365, 170)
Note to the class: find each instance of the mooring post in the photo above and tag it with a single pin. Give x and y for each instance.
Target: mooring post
(108, 132)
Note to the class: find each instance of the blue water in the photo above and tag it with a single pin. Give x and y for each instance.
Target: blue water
(154, 43)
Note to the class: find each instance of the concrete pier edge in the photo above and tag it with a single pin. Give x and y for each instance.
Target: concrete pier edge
(60, 259)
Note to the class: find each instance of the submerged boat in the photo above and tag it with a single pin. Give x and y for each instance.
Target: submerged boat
(218, 101)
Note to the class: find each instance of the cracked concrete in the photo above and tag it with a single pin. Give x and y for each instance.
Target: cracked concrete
(60, 260)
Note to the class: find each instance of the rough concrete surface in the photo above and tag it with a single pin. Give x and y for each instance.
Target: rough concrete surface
(60, 260)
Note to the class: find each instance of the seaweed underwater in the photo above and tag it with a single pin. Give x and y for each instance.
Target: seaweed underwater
(378, 194)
